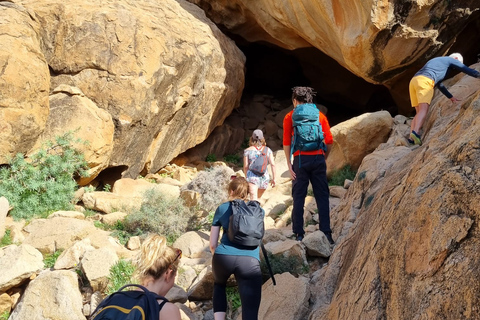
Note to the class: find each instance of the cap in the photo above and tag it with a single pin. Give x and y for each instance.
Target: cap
(257, 134)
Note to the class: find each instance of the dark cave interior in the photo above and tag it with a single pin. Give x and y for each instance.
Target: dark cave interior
(274, 71)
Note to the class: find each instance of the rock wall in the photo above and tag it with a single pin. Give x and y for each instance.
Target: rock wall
(375, 40)
(162, 71)
(408, 233)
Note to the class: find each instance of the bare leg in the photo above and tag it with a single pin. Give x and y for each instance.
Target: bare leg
(414, 121)
(252, 189)
(419, 119)
(260, 193)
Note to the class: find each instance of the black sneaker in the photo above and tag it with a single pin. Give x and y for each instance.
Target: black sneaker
(329, 237)
(299, 237)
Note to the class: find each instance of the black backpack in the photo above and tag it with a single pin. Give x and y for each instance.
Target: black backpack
(246, 227)
(130, 305)
(259, 165)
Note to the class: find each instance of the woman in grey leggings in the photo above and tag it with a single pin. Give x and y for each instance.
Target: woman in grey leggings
(229, 258)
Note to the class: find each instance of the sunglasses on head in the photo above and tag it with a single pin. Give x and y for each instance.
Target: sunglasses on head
(179, 256)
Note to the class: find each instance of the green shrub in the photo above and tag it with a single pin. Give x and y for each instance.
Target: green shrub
(338, 177)
(159, 214)
(120, 275)
(233, 299)
(6, 239)
(212, 186)
(44, 182)
(50, 259)
(211, 158)
(281, 264)
(118, 230)
(5, 315)
(234, 159)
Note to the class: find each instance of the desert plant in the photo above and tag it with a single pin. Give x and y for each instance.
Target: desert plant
(6, 239)
(44, 182)
(233, 299)
(118, 230)
(212, 186)
(211, 157)
(234, 159)
(50, 259)
(120, 275)
(160, 214)
(338, 177)
(281, 264)
(5, 315)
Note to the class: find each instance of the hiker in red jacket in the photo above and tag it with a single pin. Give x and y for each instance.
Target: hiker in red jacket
(308, 166)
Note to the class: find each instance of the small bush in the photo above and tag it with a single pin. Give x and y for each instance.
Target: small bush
(5, 315)
(159, 214)
(120, 275)
(338, 177)
(45, 182)
(234, 159)
(50, 259)
(212, 186)
(118, 230)
(281, 264)
(6, 239)
(233, 299)
(211, 158)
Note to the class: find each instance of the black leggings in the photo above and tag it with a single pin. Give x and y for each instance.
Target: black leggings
(249, 278)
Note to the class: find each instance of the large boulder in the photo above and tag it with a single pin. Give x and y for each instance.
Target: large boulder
(24, 80)
(18, 264)
(71, 110)
(357, 137)
(163, 72)
(53, 295)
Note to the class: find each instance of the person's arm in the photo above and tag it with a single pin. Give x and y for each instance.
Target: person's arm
(286, 149)
(329, 148)
(271, 160)
(214, 235)
(170, 311)
(444, 90)
(287, 141)
(245, 163)
(463, 68)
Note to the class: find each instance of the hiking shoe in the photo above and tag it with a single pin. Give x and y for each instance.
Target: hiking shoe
(416, 138)
(299, 237)
(410, 141)
(329, 237)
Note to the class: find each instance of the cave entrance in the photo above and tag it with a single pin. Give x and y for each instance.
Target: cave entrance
(274, 71)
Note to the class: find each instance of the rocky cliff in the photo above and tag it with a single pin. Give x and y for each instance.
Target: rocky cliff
(375, 40)
(409, 235)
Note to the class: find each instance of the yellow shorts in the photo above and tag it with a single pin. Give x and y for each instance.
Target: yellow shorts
(421, 90)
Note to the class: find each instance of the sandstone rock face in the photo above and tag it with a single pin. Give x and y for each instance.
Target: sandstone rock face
(373, 39)
(162, 71)
(357, 137)
(408, 237)
(70, 110)
(53, 295)
(18, 263)
(24, 80)
(287, 300)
